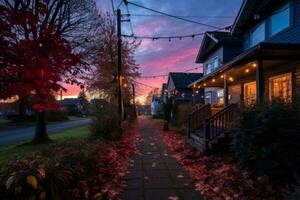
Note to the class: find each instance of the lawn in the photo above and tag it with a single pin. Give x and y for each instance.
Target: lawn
(19, 150)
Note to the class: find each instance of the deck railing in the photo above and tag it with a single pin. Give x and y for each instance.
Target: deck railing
(197, 117)
(219, 123)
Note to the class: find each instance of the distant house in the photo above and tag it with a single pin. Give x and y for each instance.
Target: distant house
(178, 87)
(156, 106)
(72, 105)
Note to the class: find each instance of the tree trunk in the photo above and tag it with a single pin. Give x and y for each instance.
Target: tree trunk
(22, 109)
(41, 135)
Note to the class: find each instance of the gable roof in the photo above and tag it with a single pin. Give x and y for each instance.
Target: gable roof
(213, 40)
(182, 80)
(249, 9)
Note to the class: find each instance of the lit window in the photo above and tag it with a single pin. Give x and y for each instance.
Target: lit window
(280, 20)
(249, 93)
(258, 34)
(208, 97)
(220, 96)
(281, 88)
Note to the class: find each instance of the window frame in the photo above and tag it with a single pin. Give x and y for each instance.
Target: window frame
(254, 28)
(287, 5)
(280, 76)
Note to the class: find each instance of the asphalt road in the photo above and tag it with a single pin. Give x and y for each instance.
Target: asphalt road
(19, 134)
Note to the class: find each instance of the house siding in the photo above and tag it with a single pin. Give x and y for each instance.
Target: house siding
(292, 34)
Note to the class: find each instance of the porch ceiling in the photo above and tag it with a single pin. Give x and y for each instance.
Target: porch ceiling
(244, 65)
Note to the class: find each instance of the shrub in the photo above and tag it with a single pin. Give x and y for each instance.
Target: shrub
(55, 173)
(57, 115)
(180, 114)
(266, 141)
(104, 120)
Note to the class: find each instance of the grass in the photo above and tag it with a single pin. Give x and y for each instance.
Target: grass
(19, 150)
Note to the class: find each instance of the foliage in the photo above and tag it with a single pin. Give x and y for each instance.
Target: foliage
(33, 65)
(266, 141)
(104, 120)
(295, 194)
(102, 80)
(93, 171)
(181, 113)
(219, 176)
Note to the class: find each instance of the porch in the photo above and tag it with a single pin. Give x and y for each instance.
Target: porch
(261, 75)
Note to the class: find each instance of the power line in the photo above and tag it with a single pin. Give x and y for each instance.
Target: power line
(169, 15)
(132, 33)
(186, 16)
(165, 75)
(149, 86)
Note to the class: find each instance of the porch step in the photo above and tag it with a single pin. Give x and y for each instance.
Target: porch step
(197, 141)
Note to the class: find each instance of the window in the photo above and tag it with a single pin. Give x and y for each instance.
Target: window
(280, 20)
(220, 96)
(208, 97)
(258, 34)
(216, 63)
(281, 87)
(208, 68)
(250, 93)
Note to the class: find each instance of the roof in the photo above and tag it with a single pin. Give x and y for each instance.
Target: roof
(263, 50)
(211, 41)
(182, 80)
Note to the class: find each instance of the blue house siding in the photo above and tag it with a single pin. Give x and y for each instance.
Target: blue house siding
(292, 34)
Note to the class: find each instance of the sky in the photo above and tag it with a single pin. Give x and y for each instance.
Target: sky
(162, 56)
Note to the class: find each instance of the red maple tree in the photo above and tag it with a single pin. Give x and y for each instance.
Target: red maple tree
(35, 65)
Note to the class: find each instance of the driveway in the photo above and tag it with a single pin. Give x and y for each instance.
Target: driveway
(19, 134)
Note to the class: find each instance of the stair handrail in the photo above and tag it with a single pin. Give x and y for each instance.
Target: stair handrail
(201, 113)
(219, 123)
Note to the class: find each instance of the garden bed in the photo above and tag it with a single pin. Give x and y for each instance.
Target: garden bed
(219, 176)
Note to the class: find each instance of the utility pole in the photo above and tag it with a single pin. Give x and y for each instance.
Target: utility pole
(119, 69)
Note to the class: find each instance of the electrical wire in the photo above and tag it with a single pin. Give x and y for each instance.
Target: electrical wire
(173, 16)
(186, 16)
(165, 75)
(131, 27)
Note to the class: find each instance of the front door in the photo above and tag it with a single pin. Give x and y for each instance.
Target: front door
(249, 93)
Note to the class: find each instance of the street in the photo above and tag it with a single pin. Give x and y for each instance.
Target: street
(19, 134)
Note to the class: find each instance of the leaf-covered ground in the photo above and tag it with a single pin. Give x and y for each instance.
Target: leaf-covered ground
(219, 176)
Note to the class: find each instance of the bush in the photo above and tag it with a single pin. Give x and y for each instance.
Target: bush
(180, 114)
(266, 141)
(57, 115)
(58, 173)
(104, 121)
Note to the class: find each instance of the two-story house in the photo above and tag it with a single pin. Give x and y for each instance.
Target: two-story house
(178, 87)
(217, 49)
(265, 67)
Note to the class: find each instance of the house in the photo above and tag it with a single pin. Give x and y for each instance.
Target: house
(156, 106)
(178, 87)
(72, 105)
(264, 67)
(217, 49)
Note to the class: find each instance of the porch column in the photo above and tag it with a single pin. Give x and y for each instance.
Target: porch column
(225, 93)
(260, 82)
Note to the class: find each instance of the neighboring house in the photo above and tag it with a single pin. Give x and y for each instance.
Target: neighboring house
(164, 92)
(264, 68)
(156, 106)
(72, 105)
(178, 87)
(217, 48)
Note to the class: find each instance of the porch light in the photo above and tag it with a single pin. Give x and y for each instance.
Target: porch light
(194, 85)
(204, 84)
(199, 86)
(231, 79)
(125, 85)
(254, 65)
(213, 80)
(247, 70)
(222, 76)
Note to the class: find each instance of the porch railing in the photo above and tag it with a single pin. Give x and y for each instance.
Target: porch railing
(219, 123)
(197, 117)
